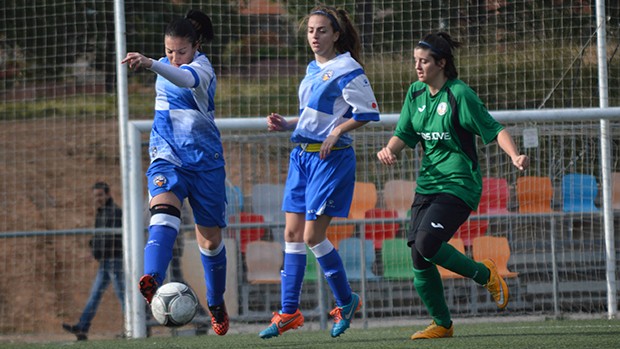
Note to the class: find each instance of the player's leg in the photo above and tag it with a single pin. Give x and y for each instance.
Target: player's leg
(207, 197)
(330, 193)
(292, 276)
(166, 187)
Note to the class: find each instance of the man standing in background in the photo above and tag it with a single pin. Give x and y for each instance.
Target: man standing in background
(107, 249)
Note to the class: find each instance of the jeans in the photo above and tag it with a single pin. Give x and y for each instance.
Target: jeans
(109, 270)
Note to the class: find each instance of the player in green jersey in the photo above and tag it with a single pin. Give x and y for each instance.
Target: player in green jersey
(444, 115)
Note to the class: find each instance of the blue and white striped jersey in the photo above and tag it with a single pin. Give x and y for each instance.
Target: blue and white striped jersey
(329, 95)
(184, 131)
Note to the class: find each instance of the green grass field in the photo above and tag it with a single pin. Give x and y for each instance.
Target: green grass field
(551, 334)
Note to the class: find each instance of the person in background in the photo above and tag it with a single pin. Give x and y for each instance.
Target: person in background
(444, 115)
(107, 249)
(187, 160)
(335, 98)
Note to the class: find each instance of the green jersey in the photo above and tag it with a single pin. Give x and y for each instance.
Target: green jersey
(446, 125)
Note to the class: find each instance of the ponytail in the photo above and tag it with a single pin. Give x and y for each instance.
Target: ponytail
(202, 25)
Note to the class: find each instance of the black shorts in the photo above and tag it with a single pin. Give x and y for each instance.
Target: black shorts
(439, 214)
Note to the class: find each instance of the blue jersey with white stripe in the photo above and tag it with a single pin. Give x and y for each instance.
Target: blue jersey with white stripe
(329, 95)
(184, 131)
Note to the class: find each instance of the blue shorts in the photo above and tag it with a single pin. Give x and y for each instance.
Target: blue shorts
(320, 187)
(205, 190)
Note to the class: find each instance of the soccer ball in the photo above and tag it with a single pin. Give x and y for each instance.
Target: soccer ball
(174, 304)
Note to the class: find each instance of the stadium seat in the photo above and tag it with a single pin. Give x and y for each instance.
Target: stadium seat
(246, 235)
(312, 266)
(234, 198)
(337, 232)
(495, 248)
(471, 229)
(351, 253)
(615, 179)
(534, 194)
(579, 192)
(267, 201)
(387, 229)
(459, 245)
(396, 258)
(263, 261)
(398, 195)
(364, 198)
(494, 197)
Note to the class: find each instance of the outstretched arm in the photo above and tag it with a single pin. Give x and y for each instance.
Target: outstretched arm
(504, 139)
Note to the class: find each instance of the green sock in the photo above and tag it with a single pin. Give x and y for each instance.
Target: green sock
(451, 259)
(430, 288)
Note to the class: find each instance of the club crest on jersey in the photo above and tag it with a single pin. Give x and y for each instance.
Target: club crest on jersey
(442, 108)
(153, 152)
(328, 75)
(160, 180)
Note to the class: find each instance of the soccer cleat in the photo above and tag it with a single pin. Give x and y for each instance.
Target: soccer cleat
(219, 319)
(434, 331)
(148, 287)
(496, 285)
(79, 334)
(281, 322)
(343, 315)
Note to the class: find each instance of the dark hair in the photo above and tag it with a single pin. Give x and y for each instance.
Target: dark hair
(349, 40)
(102, 185)
(195, 26)
(441, 45)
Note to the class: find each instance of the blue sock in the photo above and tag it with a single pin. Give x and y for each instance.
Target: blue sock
(336, 277)
(215, 274)
(292, 279)
(158, 251)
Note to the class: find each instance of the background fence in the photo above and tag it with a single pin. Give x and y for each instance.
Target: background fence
(60, 131)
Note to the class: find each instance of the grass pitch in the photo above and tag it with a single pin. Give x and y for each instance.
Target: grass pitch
(550, 334)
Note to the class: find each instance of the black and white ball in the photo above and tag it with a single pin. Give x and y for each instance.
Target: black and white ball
(174, 304)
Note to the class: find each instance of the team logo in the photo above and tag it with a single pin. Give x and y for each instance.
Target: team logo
(421, 109)
(153, 152)
(160, 180)
(373, 105)
(328, 75)
(442, 108)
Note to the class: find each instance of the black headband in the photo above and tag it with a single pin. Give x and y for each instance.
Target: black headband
(330, 17)
(437, 51)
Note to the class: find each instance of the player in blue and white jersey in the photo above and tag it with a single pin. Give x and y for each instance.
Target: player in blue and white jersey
(186, 160)
(335, 98)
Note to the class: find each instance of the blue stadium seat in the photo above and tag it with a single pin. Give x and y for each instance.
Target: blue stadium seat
(350, 252)
(579, 192)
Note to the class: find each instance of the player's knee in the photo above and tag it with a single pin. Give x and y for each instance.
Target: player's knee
(164, 214)
(427, 244)
(419, 262)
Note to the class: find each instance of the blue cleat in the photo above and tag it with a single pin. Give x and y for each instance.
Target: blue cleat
(343, 315)
(282, 322)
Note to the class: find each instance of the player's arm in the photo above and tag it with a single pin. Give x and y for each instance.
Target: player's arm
(276, 122)
(504, 140)
(388, 154)
(179, 76)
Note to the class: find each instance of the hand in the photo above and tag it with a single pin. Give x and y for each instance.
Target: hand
(521, 162)
(275, 122)
(327, 145)
(386, 156)
(136, 61)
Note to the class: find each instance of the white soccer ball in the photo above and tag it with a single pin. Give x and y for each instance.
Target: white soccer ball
(174, 304)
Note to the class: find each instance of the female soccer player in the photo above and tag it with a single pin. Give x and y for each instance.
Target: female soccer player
(443, 114)
(335, 97)
(186, 160)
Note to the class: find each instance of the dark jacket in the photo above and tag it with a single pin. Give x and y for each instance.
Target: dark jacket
(108, 245)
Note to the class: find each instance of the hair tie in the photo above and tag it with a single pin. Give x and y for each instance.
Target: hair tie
(330, 17)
